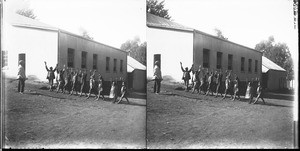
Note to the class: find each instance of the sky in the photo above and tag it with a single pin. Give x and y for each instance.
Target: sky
(246, 22)
(110, 22)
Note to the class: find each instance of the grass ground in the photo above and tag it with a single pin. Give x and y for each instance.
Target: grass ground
(178, 119)
(43, 119)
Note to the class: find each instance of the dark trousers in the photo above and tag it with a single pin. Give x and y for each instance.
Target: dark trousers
(157, 85)
(21, 85)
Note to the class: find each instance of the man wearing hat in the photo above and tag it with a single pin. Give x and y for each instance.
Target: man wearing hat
(157, 77)
(21, 77)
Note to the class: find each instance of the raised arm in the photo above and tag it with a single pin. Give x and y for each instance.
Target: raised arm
(46, 66)
(55, 68)
(192, 67)
(181, 67)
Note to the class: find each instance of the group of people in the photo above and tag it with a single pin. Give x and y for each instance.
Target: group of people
(210, 82)
(73, 80)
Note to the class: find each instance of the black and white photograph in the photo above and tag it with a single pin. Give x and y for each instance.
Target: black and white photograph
(221, 74)
(74, 74)
(149, 74)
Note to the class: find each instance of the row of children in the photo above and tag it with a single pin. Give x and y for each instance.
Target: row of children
(206, 82)
(76, 80)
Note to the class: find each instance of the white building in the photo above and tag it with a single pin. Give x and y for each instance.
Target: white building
(136, 75)
(273, 76)
(35, 42)
(172, 43)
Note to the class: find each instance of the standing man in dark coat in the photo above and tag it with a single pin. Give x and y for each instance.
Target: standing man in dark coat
(21, 77)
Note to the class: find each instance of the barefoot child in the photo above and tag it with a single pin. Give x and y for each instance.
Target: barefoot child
(100, 88)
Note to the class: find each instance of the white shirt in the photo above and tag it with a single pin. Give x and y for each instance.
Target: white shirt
(21, 72)
(156, 73)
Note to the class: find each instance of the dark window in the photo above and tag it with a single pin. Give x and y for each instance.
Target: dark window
(121, 65)
(71, 53)
(115, 65)
(230, 57)
(256, 65)
(95, 60)
(107, 63)
(219, 60)
(83, 59)
(205, 58)
(4, 58)
(242, 64)
(250, 65)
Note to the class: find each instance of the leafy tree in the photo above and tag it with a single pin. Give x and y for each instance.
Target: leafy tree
(157, 8)
(278, 53)
(219, 34)
(26, 12)
(136, 49)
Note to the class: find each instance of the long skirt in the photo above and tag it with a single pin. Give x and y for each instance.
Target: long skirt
(112, 93)
(248, 93)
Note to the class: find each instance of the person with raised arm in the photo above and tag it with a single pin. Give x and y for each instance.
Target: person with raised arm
(50, 75)
(186, 75)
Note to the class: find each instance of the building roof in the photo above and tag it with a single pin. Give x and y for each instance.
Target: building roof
(156, 21)
(133, 64)
(159, 22)
(267, 65)
(19, 20)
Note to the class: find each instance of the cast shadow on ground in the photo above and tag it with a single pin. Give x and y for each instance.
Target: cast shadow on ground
(260, 102)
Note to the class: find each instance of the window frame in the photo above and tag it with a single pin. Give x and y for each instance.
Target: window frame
(95, 62)
(71, 59)
(84, 59)
(230, 62)
(205, 58)
(107, 66)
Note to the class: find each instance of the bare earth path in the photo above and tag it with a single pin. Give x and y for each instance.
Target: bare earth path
(43, 119)
(178, 119)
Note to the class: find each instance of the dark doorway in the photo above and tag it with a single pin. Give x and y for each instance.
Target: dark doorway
(157, 58)
(130, 80)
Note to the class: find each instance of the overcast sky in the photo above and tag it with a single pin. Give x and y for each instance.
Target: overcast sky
(245, 22)
(111, 22)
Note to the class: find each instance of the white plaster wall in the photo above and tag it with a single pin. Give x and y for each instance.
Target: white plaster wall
(174, 46)
(38, 46)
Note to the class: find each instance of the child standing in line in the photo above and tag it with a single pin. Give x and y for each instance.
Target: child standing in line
(60, 79)
(123, 93)
(227, 84)
(50, 75)
(74, 82)
(259, 93)
(186, 75)
(113, 91)
(210, 83)
(219, 77)
(236, 88)
(100, 87)
(92, 83)
(67, 81)
(83, 76)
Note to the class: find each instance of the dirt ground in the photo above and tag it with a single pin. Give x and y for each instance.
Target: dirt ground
(178, 119)
(43, 119)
